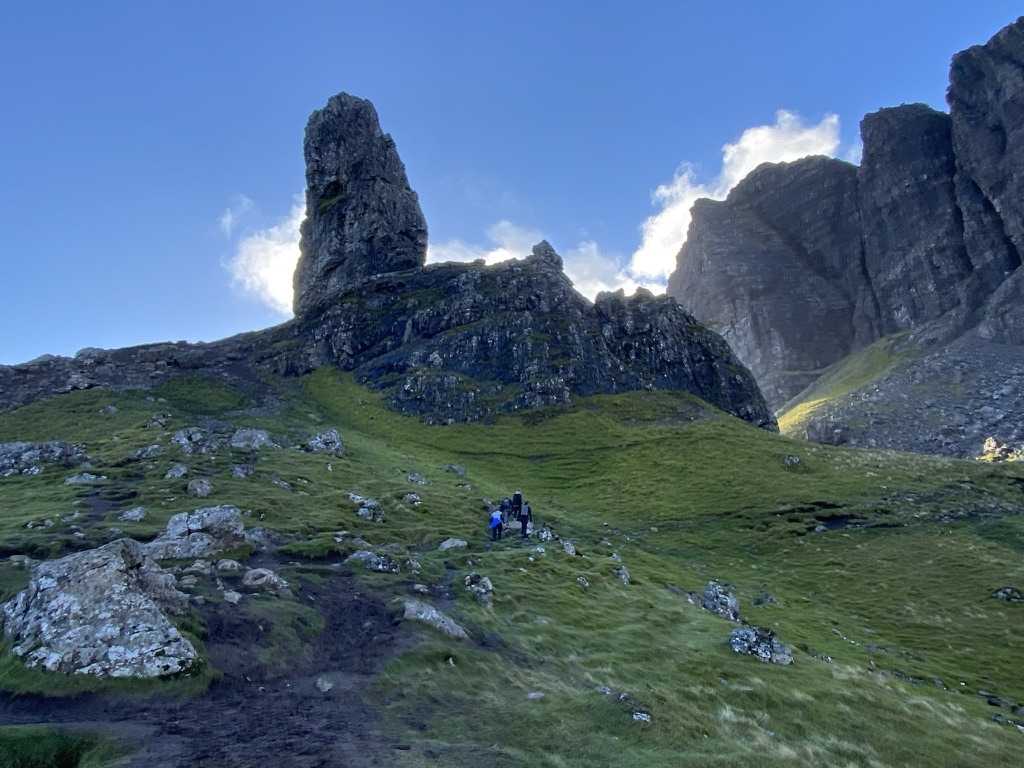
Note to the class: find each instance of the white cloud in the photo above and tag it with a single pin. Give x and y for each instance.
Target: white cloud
(664, 233)
(507, 241)
(238, 208)
(264, 262)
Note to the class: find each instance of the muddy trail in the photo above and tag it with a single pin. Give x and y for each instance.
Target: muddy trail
(253, 716)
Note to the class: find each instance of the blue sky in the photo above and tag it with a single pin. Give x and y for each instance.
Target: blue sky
(130, 130)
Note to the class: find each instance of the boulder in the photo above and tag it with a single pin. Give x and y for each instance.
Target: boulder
(263, 579)
(133, 515)
(195, 440)
(480, 587)
(447, 544)
(200, 533)
(720, 599)
(149, 452)
(328, 442)
(200, 488)
(100, 612)
(760, 643)
(371, 561)
(1009, 595)
(568, 547)
(412, 499)
(84, 478)
(176, 472)
(242, 471)
(248, 439)
(623, 574)
(227, 566)
(417, 610)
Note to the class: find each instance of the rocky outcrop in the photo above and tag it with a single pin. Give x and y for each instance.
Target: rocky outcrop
(200, 533)
(22, 458)
(362, 218)
(807, 262)
(101, 613)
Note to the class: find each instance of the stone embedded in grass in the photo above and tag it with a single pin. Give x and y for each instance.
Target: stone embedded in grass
(158, 420)
(584, 582)
(447, 544)
(622, 572)
(456, 469)
(760, 643)
(568, 547)
(371, 561)
(195, 440)
(480, 587)
(263, 579)
(1009, 595)
(369, 509)
(242, 471)
(108, 410)
(417, 479)
(765, 598)
(535, 696)
(545, 534)
(791, 461)
(281, 483)
(200, 488)
(199, 533)
(417, 610)
(100, 612)
(323, 684)
(640, 716)
(176, 472)
(133, 515)
(84, 478)
(328, 441)
(248, 439)
(412, 499)
(720, 599)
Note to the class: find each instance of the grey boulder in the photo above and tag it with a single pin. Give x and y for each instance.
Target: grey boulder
(417, 610)
(760, 643)
(199, 533)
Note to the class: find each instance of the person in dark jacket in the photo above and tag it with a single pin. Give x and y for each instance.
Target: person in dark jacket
(525, 517)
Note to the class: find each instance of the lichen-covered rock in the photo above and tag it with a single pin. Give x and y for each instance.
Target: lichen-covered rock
(720, 598)
(760, 643)
(200, 533)
(417, 610)
(328, 441)
(362, 217)
(100, 612)
(22, 458)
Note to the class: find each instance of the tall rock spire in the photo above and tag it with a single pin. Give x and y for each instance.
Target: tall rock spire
(362, 218)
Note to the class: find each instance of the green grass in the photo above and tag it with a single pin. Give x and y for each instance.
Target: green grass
(683, 494)
(43, 747)
(848, 375)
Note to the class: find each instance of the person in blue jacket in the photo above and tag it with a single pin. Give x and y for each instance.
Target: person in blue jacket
(495, 524)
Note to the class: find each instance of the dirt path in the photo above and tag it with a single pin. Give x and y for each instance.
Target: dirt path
(249, 717)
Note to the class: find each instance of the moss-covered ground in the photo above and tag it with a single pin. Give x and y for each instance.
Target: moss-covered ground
(881, 566)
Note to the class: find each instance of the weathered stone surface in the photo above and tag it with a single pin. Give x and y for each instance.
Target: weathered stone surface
(263, 579)
(176, 472)
(200, 533)
(22, 458)
(100, 612)
(133, 515)
(328, 441)
(417, 610)
(200, 488)
(362, 217)
(760, 643)
(720, 598)
(249, 439)
(447, 544)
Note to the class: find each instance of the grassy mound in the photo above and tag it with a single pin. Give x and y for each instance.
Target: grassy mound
(879, 567)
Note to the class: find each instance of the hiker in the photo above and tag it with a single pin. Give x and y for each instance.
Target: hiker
(506, 510)
(517, 504)
(525, 516)
(495, 524)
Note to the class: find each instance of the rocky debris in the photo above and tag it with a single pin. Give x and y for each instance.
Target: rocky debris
(417, 610)
(249, 439)
(371, 561)
(362, 217)
(84, 478)
(622, 572)
(720, 599)
(200, 488)
(242, 471)
(200, 533)
(1009, 595)
(21, 458)
(263, 580)
(412, 499)
(447, 544)
(417, 479)
(569, 548)
(480, 587)
(456, 469)
(100, 612)
(196, 440)
(149, 452)
(328, 442)
(995, 451)
(176, 472)
(133, 515)
(761, 643)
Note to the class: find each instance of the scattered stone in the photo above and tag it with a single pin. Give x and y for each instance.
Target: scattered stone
(447, 544)
(480, 587)
(456, 469)
(326, 442)
(417, 610)
(417, 479)
(133, 515)
(228, 566)
(84, 478)
(323, 684)
(1009, 595)
(248, 439)
(263, 579)
(199, 534)
(569, 547)
(232, 597)
(371, 561)
(242, 471)
(720, 599)
(100, 612)
(412, 499)
(200, 488)
(175, 472)
(760, 642)
(584, 582)
(195, 440)
(149, 452)
(623, 573)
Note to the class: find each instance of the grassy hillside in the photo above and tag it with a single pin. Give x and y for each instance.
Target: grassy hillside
(848, 375)
(881, 567)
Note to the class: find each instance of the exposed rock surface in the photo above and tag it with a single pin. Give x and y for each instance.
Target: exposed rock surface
(417, 610)
(328, 441)
(200, 533)
(721, 599)
(248, 439)
(760, 643)
(448, 342)
(807, 262)
(21, 458)
(101, 613)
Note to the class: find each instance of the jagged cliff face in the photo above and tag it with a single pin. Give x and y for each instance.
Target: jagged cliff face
(448, 342)
(807, 262)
